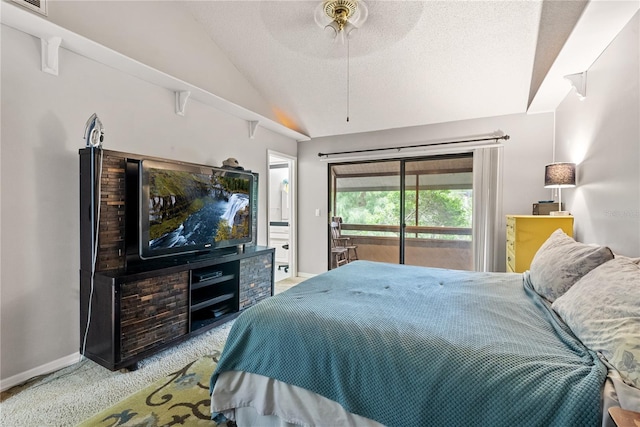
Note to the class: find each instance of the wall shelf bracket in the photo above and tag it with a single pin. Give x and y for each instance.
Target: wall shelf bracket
(579, 81)
(49, 53)
(253, 125)
(181, 101)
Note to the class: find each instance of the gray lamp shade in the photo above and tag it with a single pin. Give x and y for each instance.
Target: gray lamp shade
(560, 175)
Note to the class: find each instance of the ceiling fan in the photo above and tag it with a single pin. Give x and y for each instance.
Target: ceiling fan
(341, 18)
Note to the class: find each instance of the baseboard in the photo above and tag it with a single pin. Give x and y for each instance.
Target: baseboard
(47, 368)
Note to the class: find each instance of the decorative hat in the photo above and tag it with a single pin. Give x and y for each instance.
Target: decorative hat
(232, 163)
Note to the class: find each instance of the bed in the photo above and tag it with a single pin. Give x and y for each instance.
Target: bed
(380, 344)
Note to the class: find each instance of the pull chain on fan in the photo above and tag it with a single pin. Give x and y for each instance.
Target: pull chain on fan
(348, 91)
(340, 19)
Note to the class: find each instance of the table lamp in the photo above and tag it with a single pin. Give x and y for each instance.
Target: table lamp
(560, 175)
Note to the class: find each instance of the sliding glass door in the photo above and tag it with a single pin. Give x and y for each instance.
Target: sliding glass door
(366, 200)
(414, 211)
(438, 201)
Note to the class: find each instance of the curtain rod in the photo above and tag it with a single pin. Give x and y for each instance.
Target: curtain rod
(369, 150)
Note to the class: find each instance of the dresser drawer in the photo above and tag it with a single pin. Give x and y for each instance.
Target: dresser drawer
(526, 233)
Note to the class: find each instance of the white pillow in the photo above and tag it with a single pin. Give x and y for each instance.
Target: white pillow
(634, 260)
(561, 261)
(603, 311)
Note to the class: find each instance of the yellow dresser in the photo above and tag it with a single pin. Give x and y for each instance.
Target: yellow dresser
(525, 235)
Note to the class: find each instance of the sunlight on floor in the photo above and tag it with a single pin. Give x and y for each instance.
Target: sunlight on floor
(287, 283)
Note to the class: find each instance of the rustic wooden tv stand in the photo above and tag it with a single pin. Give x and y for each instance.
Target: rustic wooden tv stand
(140, 307)
(139, 312)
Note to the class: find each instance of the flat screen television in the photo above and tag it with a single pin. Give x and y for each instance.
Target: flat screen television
(187, 208)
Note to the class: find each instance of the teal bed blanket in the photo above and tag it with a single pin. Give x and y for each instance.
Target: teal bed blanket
(410, 346)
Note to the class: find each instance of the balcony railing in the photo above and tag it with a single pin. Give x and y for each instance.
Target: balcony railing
(425, 246)
(409, 229)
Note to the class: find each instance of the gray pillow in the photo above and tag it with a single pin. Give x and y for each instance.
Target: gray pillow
(603, 311)
(561, 261)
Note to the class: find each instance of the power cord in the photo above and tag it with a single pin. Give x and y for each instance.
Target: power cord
(95, 224)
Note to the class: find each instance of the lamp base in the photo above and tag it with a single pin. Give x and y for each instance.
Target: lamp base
(560, 213)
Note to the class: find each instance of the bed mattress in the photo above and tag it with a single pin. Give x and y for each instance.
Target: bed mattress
(405, 345)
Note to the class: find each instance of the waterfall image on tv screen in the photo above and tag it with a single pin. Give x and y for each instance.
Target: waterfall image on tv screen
(190, 210)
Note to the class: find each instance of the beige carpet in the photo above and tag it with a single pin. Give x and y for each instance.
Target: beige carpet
(181, 398)
(78, 392)
(73, 394)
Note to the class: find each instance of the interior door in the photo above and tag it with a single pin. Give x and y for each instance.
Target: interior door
(282, 213)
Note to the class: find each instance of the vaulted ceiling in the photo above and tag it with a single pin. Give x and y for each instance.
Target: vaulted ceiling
(411, 63)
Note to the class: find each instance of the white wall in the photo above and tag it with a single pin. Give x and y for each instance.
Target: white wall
(602, 134)
(163, 35)
(43, 119)
(525, 155)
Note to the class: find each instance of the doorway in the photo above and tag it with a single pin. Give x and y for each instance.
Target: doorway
(281, 201)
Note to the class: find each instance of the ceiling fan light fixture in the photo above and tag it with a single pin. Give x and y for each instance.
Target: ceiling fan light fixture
(343, 17)
(350, 30)
(331, 30)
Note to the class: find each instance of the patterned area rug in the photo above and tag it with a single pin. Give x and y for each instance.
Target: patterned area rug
(181, 398)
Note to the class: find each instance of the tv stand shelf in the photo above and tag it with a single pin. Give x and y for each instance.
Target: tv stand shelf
(209, 302)
(140, 307)
(214, 295)
(210, 282)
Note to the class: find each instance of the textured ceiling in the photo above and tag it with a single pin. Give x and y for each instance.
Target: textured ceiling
(411, 63)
